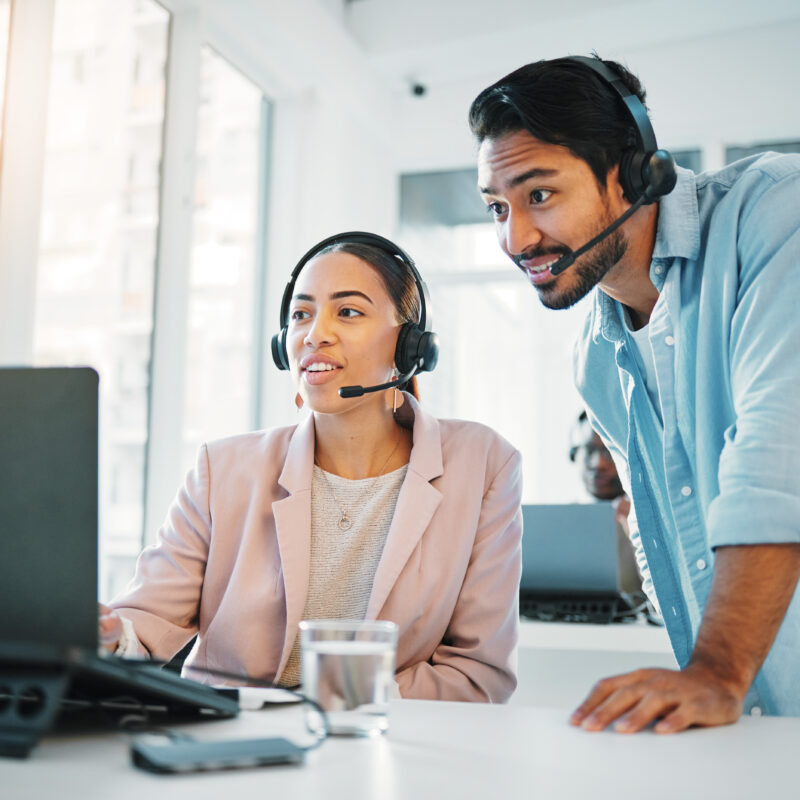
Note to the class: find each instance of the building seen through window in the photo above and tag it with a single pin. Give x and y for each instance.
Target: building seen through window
(99, 224)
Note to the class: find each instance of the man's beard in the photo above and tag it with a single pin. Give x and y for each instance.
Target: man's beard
(586, 274)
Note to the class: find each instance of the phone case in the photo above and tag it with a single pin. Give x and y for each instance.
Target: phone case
(201, 756)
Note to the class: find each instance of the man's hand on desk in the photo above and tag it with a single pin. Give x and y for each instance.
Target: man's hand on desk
(678, 699)
(750, 592)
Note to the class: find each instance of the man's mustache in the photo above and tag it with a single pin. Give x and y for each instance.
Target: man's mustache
(539, 252)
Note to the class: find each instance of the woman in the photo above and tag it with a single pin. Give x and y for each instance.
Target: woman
(370, 508)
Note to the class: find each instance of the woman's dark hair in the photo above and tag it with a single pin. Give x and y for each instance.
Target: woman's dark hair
(397, 279)
(561, 102)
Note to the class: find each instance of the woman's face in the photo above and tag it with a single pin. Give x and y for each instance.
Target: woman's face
(343, 331)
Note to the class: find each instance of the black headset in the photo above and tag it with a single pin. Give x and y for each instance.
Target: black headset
(577, 434)
(417, 347)
(645, 170)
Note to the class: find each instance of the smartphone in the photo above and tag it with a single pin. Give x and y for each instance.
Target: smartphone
(201, 756)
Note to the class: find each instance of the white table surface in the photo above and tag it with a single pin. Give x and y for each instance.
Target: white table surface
(559, 662)
(439, 750)
(638, 636)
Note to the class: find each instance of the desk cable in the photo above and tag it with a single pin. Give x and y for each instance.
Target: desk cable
(138, 719)
(639, 603)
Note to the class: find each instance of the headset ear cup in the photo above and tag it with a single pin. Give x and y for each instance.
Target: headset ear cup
(630, 174)
(429, 350)
(659, 174)
(279, 354)
(415, 345)
(405, 353)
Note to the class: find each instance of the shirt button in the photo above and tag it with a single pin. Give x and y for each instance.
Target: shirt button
(686, 491)
(701, 563)
(670, 340)
(658, 270)
(756, 711)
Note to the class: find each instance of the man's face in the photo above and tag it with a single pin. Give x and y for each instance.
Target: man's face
(597, 467)
(546, 202)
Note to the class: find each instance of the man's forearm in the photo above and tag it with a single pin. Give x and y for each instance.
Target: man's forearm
(751, 590)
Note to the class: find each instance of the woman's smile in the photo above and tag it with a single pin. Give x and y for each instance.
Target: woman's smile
(317, 369)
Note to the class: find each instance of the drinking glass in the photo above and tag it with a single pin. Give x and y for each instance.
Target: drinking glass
(348, 669)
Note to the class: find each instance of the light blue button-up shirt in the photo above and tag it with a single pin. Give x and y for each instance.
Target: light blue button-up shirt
(719, 462)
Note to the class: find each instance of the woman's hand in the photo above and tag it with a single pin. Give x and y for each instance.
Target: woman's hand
(110, 627)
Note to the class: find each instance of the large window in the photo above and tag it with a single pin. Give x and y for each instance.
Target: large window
(5, 19)
(223, 343)
(505, 360)
(735, 152)
(97, 255)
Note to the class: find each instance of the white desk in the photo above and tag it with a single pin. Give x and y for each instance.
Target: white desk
(442, 751)
(559, 662)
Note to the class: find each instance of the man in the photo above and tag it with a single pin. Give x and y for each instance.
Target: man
(601, 481)
(688, 365)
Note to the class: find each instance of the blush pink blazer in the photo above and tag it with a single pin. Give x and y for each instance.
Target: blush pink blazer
(232, 560)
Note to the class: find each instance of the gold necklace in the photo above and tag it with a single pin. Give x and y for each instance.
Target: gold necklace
(345, 523)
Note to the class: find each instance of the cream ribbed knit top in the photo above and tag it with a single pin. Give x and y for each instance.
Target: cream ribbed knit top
(343, 563)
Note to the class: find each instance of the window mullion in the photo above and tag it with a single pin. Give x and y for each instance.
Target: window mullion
(168, 366)
(27, 84)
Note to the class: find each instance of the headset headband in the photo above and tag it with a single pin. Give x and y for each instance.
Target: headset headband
(645, 172)
(417, 347)
(644, 128)
(361, 237)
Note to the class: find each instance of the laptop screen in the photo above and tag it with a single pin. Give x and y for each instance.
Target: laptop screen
(48, 506)
(569, 548)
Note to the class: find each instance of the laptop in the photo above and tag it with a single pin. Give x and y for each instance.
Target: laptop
(570, 568)
(49, 661)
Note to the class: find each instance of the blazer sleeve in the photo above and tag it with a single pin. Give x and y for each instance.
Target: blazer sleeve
(477, 659)
(163, 598)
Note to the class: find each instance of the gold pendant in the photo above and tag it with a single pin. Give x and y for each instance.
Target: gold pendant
(344, 523)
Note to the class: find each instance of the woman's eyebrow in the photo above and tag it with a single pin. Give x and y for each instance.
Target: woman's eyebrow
(350, 293)
(309, 298)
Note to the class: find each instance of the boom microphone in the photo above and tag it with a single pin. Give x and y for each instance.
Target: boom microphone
(658, 176)
(357, 391)
(569, 259)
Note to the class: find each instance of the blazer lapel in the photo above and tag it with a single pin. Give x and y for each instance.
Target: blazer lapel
(293, 527)
(416, 505)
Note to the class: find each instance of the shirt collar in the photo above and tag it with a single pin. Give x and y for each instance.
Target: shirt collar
(677, 236)
(678, 231)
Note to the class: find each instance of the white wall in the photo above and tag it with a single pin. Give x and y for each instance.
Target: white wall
(332, 164)
(343, 130)
(737, 87)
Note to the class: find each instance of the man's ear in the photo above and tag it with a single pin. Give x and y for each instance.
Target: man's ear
(614, 188)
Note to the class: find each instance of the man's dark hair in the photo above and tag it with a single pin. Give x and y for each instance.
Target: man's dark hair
(561, 102)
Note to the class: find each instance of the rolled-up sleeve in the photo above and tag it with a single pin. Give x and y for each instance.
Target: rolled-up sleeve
(759, 468)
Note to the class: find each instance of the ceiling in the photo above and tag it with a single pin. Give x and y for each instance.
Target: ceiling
(442, 41)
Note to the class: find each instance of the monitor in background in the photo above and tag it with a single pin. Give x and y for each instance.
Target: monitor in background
(569, 563)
